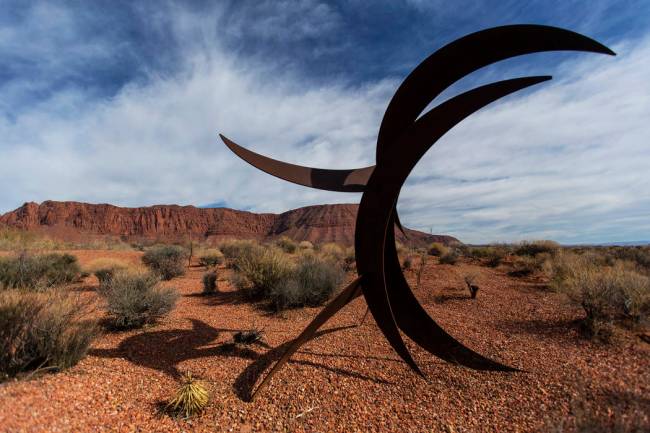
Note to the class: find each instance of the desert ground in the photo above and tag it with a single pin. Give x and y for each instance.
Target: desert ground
(347, 379)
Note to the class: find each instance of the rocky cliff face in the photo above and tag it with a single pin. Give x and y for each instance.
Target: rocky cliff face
(73, 221)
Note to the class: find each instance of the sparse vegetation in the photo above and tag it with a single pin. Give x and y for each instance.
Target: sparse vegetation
(470, 281)
(306, 245)
(287, 245)
(210, 282)
(211, 258)
(606, 294)
(493, 255)
(236, 250)
(437, 249)
(38, 271)
(407, 263)
(332, 251)
(527, 265)
(349, 259)
(168, 261)
(104, 268)
(449, 258)
(312, 281)
(190, 399)
(42, 331)
(136, 299)
(533, 248)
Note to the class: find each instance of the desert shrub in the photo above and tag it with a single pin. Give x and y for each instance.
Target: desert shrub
(104, 268)
(234, 250)
(449, 258)
(437, 249)
(638, 255)
(527, 248)
(287, 245)
(407, 263)
(306, 245)
(42, 331)
(210, 282)
(311, 283)
(332, 251)
(134, 300)
(606, 294)
(470, 282)
(349, 259)
(211, 258)
(493, 255)
(261, 270)
(168, 261)
(527, 265)
(27, 271)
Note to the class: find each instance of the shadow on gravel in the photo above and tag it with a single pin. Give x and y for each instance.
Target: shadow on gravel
(221, 298)
(247, 379)
(539, 327)
(164, 350)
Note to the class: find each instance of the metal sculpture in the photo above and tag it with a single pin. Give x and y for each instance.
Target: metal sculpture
(404, 137)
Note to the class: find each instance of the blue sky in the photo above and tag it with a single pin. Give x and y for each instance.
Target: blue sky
(121, 102)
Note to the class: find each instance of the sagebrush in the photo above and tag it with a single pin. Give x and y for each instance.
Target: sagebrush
(168, 261)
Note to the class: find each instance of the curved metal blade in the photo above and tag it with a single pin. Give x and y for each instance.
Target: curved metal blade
(463, 56)
(351, 180)
(382, 191)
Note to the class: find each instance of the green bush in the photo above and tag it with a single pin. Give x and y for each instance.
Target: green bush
(287, 245)
(534, 248)
(437, 249)
(134, 300)
(46, 331)
(168, 261)
(311, 283)
(211, 258)
(449, 258)
(210, 282)
(26, 271)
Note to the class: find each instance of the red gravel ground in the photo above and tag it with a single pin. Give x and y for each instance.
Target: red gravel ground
(348, 379)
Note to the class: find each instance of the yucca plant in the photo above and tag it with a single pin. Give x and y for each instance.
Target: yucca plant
(190, 399)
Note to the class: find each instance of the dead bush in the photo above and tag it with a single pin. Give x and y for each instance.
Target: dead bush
(134, 300)
(168, 261)
(38, 271)
(42, 331)
(449, 258)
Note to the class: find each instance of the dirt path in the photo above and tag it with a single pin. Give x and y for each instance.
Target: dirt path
(348, 379)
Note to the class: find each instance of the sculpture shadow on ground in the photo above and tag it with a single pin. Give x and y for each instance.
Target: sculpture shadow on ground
(164, 350)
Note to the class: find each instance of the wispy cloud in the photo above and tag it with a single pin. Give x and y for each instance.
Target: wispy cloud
(565, 161)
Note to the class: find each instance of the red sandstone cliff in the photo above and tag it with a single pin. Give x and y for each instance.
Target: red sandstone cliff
(73, 221)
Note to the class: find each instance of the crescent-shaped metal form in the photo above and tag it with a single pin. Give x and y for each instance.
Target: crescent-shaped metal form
(405, 135)
(352, 180)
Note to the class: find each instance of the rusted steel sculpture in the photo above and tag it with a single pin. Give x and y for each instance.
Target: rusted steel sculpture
(404, 137)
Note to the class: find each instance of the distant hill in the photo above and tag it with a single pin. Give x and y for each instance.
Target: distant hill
(72, 221)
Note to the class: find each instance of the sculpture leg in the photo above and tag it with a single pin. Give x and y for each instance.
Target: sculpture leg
(352, 291)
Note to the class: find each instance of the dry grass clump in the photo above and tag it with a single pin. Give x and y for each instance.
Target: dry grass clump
(42, 331)
(332, 251)
(210, 282)
(524, 266)
(134, 300)
(104, 268)
(306, 245)
(12, 239)
(533, 248)
(190, 399)
(38, 271)
(287, 245)
(493, 255)
(168, 261)
(349, 259)
(312, 281)
(266, 273)
(470, 282)
(606, 294)
(449, 258)
(437, 249)
(211, 258)
(234, 250)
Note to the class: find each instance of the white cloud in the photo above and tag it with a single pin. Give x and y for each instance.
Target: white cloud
(567, 161)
